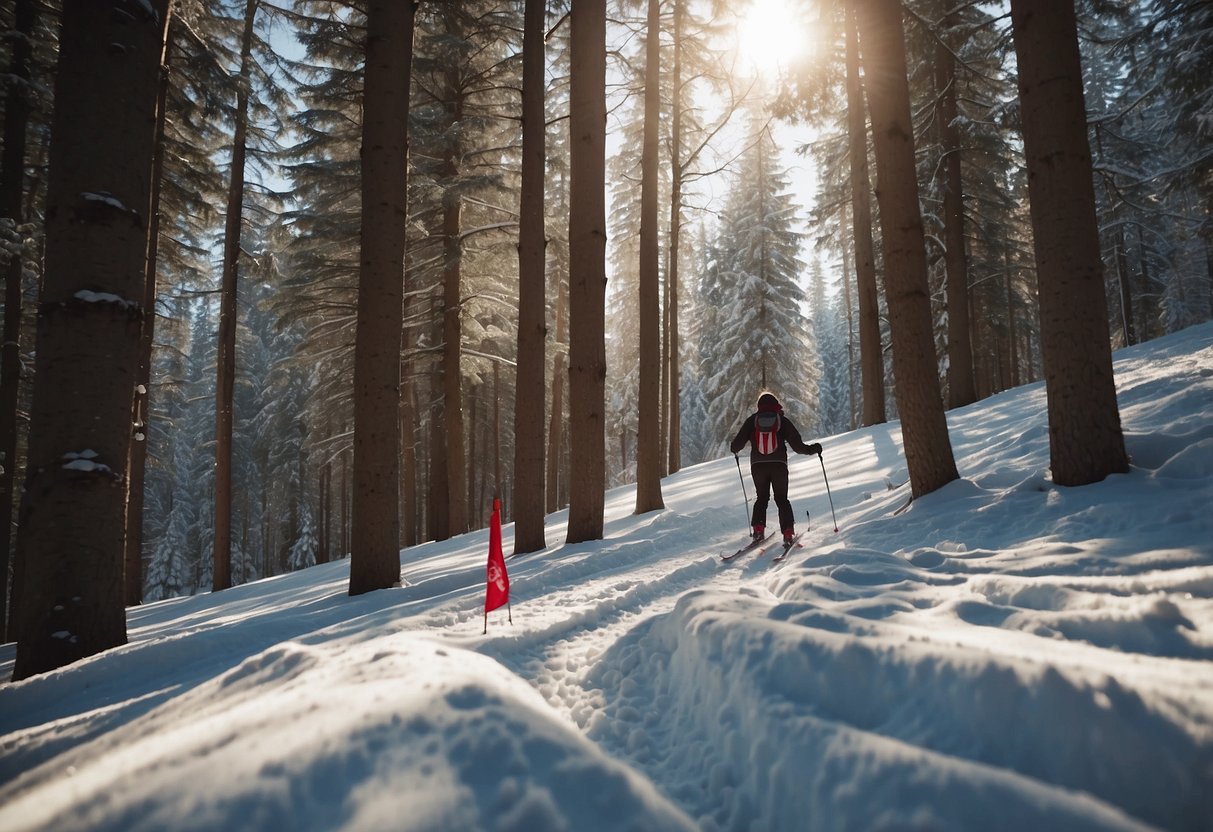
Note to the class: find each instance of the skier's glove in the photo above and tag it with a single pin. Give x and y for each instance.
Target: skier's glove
(815, 448)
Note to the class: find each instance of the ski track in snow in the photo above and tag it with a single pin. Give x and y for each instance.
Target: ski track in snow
(616, 709)
(587, 662)
(607, 594)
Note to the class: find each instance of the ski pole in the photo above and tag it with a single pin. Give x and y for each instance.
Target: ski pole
(828, 494)
(737, 459)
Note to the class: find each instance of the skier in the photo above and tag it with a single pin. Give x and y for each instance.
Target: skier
(770, 433)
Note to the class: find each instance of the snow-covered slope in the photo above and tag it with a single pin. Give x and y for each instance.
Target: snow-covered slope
(1002, 654)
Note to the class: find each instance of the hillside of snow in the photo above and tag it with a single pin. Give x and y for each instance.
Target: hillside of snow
(1002, 654)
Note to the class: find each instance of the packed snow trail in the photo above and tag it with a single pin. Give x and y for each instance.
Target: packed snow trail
(602, 596)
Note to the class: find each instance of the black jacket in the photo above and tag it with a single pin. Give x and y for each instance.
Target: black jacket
(788, 435)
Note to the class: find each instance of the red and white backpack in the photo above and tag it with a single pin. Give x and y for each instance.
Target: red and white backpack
(766, 431)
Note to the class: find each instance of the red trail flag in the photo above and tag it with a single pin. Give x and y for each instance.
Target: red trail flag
(497, 592)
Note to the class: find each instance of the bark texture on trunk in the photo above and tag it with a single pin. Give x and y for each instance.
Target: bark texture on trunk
(673, 382)
(1086, 443)
(73, 515)
(871, 352)
(138, 464)
(648, 441)
(12, 192)
(226, 361)
(375, 543)
(961, 390)
(924, 426)
(453, 431)
(530, 398)
(587, 271)
(555, 482)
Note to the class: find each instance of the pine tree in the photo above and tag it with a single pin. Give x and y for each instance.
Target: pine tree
(375, 559)
(695, 68)
(587, 269)
(829, 327)
(192, 131)
(760, 339)
(532, 303)
(1145, 78)
(87, 352)
(623, 292)
(961, 389)
(17, 110)
(168, 572)
(320, 261)
(226, 369)
(181, 430)
(462, 146)
(924, 427)
(871, 353)
(303, 550)
(168, 503)
(649, 462)
(1085, 439)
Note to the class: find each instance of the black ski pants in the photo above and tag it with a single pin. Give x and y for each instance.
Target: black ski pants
(770, 476)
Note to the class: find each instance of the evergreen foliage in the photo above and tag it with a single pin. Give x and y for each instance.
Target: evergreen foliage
(758, 337)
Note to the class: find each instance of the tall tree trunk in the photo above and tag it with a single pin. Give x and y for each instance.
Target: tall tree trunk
(138, 463)
(12, 191)
(375, 547)
(673, 359)
(1143, 322)
(960, 343)
(1085, 439)
(587, 270)
(439, 504)
(556, 419)
(412, 458)
(532, 294)
(408, 437)
(871, 353)
(474, 436)
(245, 525)
(343, 534)
(924, 426)
(452, 375)
(1012, 319)
(498, 491)
(323, 516)
(849, 306)
(226, 361)
(1126, 290)
(1206, 236)
(99, 199)
(648, 441)
(454, 428)
(663, 403)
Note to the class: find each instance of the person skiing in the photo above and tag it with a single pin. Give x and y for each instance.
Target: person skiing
(769, 433)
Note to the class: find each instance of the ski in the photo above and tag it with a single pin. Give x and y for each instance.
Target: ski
(795, 542)
(749, 547)
(787, 547)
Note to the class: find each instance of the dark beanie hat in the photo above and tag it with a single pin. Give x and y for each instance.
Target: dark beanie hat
(768, 400)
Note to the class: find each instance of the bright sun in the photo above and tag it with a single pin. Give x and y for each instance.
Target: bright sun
(771, 34)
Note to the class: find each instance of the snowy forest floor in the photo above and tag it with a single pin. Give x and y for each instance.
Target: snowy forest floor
(1001, 654)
